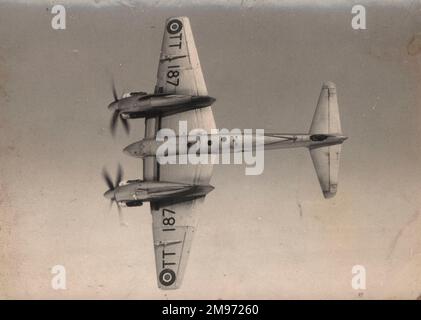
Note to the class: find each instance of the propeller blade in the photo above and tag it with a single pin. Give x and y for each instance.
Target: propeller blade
(125, 125)
(107, 179)
(119, 175)
(111, 187)
(113, 123)
(115, 96)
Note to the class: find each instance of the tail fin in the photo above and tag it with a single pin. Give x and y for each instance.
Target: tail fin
(326, 118)
(326, 158)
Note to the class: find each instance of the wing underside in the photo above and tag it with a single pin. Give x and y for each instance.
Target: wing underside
(173, 230)
(179, 71)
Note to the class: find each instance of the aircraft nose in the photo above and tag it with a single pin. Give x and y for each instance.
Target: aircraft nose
(109, 194)
(132, 150)
(127, 150)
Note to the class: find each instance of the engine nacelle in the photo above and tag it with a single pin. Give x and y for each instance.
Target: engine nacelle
(142, 105)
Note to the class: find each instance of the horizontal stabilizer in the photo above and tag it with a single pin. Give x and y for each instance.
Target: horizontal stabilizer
(326, 164)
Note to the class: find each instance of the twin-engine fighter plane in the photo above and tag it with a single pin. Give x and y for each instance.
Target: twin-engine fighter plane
(176, 191)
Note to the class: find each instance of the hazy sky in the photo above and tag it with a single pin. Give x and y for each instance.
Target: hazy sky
(265, 66)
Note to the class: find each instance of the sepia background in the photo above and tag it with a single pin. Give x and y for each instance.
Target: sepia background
(269, 236)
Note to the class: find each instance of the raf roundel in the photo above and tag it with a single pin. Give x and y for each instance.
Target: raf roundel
(167, 277)
(174, 26)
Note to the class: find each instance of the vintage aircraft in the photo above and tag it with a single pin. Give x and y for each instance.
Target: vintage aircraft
(176, 191)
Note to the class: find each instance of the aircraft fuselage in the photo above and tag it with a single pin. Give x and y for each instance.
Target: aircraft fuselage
(221, 143)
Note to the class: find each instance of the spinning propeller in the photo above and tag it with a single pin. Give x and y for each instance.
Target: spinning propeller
(110, 193)
(116, 114)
